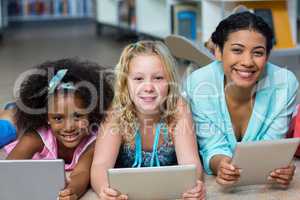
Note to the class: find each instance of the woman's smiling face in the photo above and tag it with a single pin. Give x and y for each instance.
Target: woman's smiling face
(244, 57)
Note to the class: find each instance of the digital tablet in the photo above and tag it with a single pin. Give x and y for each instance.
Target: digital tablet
(159, 183)
(258, 159)
(31, 179)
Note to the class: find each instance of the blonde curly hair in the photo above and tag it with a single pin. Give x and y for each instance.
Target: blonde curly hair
(125, 118)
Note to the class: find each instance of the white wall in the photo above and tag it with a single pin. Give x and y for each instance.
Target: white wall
(107, 11)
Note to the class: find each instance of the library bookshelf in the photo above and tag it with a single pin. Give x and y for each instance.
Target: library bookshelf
(3, 17)
(154, 18)
(38, 10)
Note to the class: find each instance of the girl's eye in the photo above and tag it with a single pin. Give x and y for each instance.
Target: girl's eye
(77, 116)
(159, 78)
(138, 78)
(57, 119)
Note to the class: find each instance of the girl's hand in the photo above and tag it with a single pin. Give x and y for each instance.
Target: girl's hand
(196, 193)
(283, 176)
(111, 194)
(67, 194)
(227, 173)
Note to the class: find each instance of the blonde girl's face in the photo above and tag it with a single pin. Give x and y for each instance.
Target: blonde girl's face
(147, 83)
(67, 119)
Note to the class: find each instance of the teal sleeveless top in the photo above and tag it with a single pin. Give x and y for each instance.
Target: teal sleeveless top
(160, 156)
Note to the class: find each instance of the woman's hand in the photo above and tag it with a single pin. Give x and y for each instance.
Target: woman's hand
(227, 174)
(196, 193)
(111, 194)
(67, 194)
(283, 176)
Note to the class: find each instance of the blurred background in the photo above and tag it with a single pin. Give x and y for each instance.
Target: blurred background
(33, 31)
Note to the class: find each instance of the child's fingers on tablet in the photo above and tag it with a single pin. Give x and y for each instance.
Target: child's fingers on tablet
(203, 193)
(188, 195)
(201, 185)
(65, 192)
(123, 197)
(111, 192)
(195, 189)
(202, 196)
(193, 193)
(72, 197)
(104, 196)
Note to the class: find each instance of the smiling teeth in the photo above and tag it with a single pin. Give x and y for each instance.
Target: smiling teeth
(70, 136)
(244, 74)
(148, 98)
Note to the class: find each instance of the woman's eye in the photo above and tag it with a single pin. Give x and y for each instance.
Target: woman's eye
(237, 51)
(259, 53)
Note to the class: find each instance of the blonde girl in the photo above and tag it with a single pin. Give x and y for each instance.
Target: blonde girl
(149, 124)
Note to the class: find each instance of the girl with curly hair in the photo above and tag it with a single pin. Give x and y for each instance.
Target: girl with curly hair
(150, 124)
(59, 106)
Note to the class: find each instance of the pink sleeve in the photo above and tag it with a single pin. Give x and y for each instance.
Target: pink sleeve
(9, 147)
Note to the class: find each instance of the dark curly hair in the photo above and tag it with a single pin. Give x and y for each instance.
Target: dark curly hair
(242, 21)
(32, 98)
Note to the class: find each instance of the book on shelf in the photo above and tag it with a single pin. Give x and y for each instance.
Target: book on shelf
(126, 13)
(57, 8)
(13, 8)
(73, 7)
(184, 20)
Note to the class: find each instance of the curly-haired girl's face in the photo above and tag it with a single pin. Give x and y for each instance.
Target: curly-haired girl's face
(147, 83)
(67, 119)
